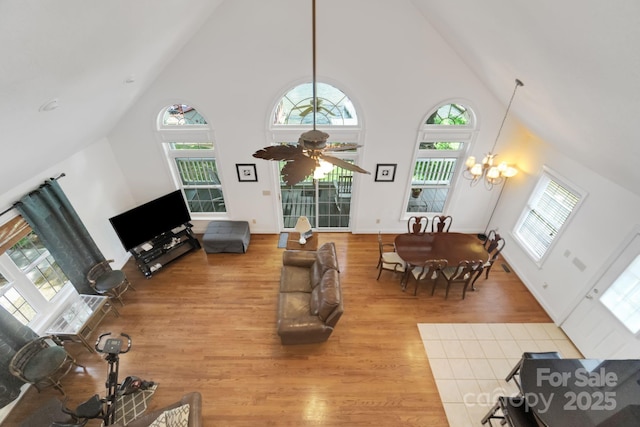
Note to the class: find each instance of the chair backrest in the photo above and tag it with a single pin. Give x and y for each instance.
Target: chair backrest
(494, 244)
(431, 267)
(417, 224)
(344, 185)
(382, 245)
(466, 270)
(441, 223)
(98, 270)
(25, 354)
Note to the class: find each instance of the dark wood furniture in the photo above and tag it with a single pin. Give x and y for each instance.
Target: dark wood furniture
(294, 242)
(166, 248)
(582, 392)
(415, 249)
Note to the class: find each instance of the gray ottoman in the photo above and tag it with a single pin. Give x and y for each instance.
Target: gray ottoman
(226, 236)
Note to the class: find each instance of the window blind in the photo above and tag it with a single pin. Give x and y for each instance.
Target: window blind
(548, 209)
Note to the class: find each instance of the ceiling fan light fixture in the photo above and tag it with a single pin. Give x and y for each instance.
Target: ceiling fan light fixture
(309, 157)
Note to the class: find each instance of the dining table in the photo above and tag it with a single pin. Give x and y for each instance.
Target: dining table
(582, 392)
(416, 248)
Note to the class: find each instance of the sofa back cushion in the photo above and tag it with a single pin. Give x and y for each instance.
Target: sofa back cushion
(326, 296)
(326, 259)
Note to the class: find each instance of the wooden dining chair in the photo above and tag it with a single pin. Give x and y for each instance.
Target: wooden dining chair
(417, 224)
(388, 258)
(494, 245)
(463, 273)
(430, 270)
(441, 223)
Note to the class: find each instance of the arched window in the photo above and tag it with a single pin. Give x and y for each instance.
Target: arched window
(191, 155)
(441, 146)
(334, 107)
(323, 200)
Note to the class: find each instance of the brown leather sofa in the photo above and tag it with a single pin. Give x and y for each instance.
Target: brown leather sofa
(310, 298)
(194, 399)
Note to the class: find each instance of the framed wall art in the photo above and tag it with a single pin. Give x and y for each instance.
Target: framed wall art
(386, 172)
(246, 172)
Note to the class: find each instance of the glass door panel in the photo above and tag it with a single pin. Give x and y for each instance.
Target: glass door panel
(325, 201)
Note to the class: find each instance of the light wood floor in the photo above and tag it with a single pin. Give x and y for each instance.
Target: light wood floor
(208, 323)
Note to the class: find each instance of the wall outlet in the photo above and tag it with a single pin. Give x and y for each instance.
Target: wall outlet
(253, 221)
(378, 221)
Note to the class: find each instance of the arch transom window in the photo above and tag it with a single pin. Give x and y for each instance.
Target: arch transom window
(296, 107)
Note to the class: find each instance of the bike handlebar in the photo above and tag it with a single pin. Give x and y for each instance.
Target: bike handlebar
(119, 349)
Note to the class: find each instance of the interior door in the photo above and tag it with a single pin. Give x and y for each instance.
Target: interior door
(325, 201)
(594, 329)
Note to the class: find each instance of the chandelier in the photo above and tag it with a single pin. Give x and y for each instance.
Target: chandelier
(487, 170)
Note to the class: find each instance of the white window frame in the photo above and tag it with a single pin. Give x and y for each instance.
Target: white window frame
(547, 175)
(189, 134)
(19, 281)
(464, 134)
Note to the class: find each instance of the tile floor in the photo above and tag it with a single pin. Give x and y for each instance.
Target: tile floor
(469, 361)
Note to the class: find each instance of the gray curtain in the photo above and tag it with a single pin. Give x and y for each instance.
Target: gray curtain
(13, 335)
(55, 221)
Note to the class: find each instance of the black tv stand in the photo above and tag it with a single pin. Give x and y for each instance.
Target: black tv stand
(163, 249)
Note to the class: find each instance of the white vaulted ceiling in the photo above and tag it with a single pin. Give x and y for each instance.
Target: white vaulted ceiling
(578, 59)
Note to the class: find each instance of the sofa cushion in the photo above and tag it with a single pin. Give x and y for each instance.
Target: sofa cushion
(326, 259)
(326, 296)
(294, 279)
(293, 305)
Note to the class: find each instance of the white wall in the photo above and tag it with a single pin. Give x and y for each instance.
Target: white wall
(603, 221)
(392, 65)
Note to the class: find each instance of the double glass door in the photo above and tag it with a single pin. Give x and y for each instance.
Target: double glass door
(325, 201)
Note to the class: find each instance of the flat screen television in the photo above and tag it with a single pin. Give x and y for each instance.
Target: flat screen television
(143, 223)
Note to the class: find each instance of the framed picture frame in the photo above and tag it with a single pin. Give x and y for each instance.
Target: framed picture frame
(386, 172)
(246, 172)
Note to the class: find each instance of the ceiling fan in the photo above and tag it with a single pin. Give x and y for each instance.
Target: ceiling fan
(305, 158)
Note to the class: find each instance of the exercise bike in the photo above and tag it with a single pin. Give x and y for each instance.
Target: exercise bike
(105, 408)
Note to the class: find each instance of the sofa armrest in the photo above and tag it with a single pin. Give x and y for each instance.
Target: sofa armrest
(299, 258)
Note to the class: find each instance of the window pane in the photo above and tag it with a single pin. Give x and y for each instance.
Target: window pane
(16, 305)
(3, 281)
(47, 277)
(444, 146)
(449, 115)
(182, 115)
(334, 107)
(549, 207)
(191, 145)
(197, 171)
(27, 251)
(623, 297)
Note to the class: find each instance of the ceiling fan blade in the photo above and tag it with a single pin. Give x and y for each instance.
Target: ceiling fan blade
(343, 147)
(279, 152)
(344, 165)
(298, 169)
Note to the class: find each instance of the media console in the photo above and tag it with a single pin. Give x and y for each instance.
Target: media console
(163, 249)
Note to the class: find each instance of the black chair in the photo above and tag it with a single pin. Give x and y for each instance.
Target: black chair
(42, 363)
(106, 281)
(515, 372)
(512, 411)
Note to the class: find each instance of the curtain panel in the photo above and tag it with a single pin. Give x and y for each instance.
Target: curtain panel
(55, 221)
(13, 335)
